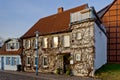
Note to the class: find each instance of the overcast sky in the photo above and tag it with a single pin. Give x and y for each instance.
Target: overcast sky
(18, 16)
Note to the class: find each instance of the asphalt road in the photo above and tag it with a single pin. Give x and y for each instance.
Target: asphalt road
(13, 75)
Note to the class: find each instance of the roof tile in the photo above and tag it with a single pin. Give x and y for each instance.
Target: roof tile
(55, 23)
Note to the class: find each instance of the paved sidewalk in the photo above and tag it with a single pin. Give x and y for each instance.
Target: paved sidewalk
(13, 75)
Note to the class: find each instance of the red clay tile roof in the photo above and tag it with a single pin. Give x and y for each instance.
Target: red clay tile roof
(4, 52)
(55, 23)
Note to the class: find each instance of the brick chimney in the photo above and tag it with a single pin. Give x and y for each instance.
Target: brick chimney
(60, 10)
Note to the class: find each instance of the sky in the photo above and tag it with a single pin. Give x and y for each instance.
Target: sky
(18, 16)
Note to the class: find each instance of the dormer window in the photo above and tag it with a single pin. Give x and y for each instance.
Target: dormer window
(81, 15)
(12, 46)
(17, 46)
(8, 46)
(76, 16)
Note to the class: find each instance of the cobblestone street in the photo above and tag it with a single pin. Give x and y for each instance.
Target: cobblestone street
(12, 75)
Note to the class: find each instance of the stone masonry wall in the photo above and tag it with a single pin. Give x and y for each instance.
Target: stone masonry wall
(82, 49)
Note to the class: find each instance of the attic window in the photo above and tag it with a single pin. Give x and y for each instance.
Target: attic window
(8, 46)
(75, 16)
(81, 15)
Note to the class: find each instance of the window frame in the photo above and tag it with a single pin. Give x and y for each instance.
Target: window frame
(27, 44)
(64, 43)
(54, 42)
(14, 61)
(17, 45)
(45, 65)
(45, 42)
(78, 36)
(78, 57)
(8, 61)
(28, 61)
(35, 61)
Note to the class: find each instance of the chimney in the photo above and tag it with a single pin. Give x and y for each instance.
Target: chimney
(60, 10)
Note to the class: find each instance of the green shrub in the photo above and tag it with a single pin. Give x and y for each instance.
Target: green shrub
(68, 71)
(58, 71)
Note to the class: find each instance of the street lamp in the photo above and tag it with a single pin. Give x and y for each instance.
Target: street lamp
(37, 35)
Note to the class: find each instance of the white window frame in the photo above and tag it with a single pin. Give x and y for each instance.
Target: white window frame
(28, 58)
(14, 62)
(79, 35)
(9, 61)
(35, 60)
(45, 42)
(78, 57)
(17, 45)
(45, 57)
(55, 41)
(24, 43)
(27, 44)
(35, 43)
(8, 45)
(66, 41)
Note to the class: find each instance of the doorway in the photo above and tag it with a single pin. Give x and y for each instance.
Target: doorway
(66, 62)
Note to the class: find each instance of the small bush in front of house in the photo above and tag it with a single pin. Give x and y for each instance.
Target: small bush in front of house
(58, 71)
(68, 71)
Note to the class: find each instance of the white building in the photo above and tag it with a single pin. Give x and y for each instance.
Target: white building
(10, 55)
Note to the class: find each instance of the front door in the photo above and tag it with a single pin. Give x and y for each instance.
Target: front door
(66, 62)
(2, 63)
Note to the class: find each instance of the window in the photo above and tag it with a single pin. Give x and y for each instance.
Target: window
(45, 42)
(18, 60)
(27, 44)
(55, 42)
(7, 60)
(28, 60)
(17, 46)
(86, 15)
(12, 46)
(66, 41)
(79, 35)
(35, 61)
(24, 43)
(8, 46)
(78, 57)
(35, 43)
(14, 61)
(75, 16)
(45, 61)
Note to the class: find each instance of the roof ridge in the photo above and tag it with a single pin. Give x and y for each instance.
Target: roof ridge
(63, 11)
(108, 7)
(43, 25)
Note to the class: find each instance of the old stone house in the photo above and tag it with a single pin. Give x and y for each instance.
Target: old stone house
(74, 39)
(110, 16)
